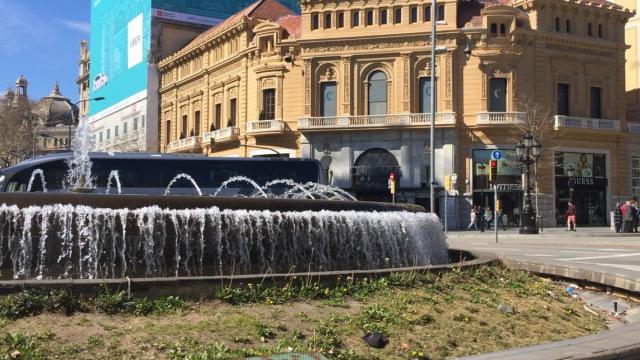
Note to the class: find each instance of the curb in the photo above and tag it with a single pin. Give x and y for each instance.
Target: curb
(621, 343)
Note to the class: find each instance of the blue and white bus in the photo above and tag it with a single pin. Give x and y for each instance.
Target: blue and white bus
(149, 173)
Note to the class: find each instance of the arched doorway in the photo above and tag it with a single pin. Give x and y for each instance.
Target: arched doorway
(370, 175)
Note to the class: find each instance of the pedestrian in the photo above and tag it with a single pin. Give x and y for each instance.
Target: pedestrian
(488, 214)
(635, 214)
(627, 217)
(617, 218)
(500, 220)
(474, 219)
(571, 217)
(480, 218)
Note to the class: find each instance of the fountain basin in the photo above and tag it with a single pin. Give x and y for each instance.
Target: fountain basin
(89, 236)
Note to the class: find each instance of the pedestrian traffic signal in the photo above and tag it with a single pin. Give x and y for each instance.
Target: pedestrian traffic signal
(493, 170)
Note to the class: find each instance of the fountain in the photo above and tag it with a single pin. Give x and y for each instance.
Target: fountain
(40, 173)
(79, 235)
(114, 175)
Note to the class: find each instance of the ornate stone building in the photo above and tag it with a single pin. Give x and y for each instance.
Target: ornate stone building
(348, 83)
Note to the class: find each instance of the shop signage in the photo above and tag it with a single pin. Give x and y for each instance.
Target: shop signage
(509, 187)
(574, 182)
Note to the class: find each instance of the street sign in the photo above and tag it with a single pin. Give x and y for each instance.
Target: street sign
(496, 154)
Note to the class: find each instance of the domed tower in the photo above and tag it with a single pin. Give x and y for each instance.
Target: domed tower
(21, 97)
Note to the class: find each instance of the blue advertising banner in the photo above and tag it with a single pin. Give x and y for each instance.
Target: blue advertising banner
(119, 44)
(219, 9)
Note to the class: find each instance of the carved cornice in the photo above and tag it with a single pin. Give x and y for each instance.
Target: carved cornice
(338, 46)
(269, 68)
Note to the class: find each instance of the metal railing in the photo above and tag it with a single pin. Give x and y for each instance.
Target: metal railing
(189, 143)
(561, 121)
(374, 121)
(221, 135)
(634, 128)
(501, 118)
(265, 126)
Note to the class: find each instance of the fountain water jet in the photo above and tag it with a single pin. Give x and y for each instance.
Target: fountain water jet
(241, 179)
(182, 176)
(114, 175)
(32, 178)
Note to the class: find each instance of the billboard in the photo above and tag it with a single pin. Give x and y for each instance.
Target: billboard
(120, 32)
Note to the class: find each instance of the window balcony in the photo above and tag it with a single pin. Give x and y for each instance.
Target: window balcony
(189, 144)
(501, 118)
(633, 127)
(572, 122)
(266, 127)
(374, 121)
(227, 134)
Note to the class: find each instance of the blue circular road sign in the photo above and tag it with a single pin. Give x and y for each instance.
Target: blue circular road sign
(496, 154)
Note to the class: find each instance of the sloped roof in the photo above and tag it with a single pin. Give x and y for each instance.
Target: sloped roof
(261, 9)
(292, 24)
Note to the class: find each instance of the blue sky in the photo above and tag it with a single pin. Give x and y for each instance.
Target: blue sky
(41, 39)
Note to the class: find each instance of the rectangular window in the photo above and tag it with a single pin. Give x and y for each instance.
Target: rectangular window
(355, 21)
(397, 16)
(135, 124)
(142, 121)
(327, 21)
(197, 123)
(427, 14)
(414, 15)
(269, 104)
(233, 103)
(369, 17)
(108, 134)
(600, 34)
(589, 29)
(124, 128)
(167, 132)
(218, 116)
(440, 13)
(383, 17)
(340, 20)
(635, 175)
(425, 95)
(315, 21)
(563, 99)
(183, 129)
(497, 95)
(328, 104)
(115, 131)
(99, 137)
(596, 102)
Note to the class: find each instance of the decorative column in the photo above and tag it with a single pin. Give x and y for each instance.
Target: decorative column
(308, 78)
(346, 85)
(406, 82)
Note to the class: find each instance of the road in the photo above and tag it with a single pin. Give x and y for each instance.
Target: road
(593, 249)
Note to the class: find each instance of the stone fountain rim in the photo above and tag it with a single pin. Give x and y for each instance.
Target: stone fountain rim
(182, 202)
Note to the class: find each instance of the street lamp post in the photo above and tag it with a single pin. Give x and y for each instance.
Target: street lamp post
(432, 127)
(528, 150)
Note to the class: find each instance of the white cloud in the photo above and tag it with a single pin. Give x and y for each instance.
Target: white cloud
(82, 26)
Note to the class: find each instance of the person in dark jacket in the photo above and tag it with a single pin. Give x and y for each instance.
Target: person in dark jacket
(636, 214)
(617, 218)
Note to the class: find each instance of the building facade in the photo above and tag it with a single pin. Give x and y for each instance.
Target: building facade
(349, 83)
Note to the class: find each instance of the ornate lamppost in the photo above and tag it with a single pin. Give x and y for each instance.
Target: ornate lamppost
(528, 151)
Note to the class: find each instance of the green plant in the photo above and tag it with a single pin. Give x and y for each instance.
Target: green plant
(33, 302)
(111, 303)
(20, 346)
(265, 332)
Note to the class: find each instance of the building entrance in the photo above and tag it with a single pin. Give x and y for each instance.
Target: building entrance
(590, 197)
(370, 175)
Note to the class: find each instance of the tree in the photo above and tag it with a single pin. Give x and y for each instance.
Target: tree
(17, 124)
(538, 121)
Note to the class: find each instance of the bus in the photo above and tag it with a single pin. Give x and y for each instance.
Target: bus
(150, 173)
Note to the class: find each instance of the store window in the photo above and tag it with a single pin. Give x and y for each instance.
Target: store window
(582, 179)
(508, 180)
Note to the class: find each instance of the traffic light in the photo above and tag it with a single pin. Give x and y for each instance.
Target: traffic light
(493, 171)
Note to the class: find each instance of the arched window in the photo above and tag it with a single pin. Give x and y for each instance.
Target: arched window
(377, 93)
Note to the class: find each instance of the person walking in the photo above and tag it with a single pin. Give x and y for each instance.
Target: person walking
(617, 218)
(488, 214)
(635, 214)
(500, 220)
(571, 217)
(480, 218)
(474, 219)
